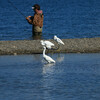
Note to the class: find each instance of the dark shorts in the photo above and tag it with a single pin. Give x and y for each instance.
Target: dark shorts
(37, 33)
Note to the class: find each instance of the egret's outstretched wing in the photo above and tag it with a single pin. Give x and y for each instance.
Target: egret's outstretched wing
(47, 44)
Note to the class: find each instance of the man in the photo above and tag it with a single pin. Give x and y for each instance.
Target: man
(36, 20)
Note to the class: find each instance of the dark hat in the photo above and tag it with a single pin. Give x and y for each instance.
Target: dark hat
(36, 6)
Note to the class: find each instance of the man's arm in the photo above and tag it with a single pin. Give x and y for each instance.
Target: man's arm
(29, 19)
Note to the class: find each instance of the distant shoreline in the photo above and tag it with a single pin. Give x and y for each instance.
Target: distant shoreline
(83, 45)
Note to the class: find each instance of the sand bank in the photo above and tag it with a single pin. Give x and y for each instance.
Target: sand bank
(83, 45)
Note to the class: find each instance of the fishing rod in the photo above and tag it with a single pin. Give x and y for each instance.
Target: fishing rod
(16, 8)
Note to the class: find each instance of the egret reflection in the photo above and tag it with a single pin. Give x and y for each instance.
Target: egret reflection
(49, 64)
(60, 58)
(48, 68)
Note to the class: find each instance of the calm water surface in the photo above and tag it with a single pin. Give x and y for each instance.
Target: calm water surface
(65, 18)
(28, 77)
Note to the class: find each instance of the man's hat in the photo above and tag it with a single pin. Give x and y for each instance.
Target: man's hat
(36, 6)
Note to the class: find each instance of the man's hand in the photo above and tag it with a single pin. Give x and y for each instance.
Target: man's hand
(27, 18)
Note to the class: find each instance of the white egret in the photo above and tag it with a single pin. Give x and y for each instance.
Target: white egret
(47, 58)
(47, 44)
(58, 40)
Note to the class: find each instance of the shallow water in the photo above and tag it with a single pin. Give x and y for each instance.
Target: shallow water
(64, 18)
(28, 77)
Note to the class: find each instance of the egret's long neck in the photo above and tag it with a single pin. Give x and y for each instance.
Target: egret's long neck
(44, 51)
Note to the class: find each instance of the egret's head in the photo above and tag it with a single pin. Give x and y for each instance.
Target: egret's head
(42, 42)
(55, 37)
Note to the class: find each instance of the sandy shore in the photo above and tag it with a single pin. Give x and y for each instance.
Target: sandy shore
(84, 45)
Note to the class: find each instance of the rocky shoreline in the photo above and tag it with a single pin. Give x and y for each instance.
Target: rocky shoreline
(83, 45)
